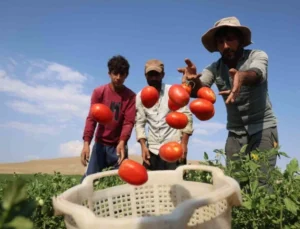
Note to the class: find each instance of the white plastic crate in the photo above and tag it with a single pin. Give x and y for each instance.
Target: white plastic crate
(165, 201)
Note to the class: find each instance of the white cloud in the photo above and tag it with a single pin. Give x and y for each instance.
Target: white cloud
(71, 148)
(208, 128)
(25, 107)
(63, 101)
(31, 127)
(58, 72)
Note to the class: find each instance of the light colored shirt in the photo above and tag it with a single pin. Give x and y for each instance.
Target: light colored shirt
(252, 110)
(159, 132)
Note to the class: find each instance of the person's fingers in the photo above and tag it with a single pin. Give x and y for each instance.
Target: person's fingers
(146, 157)
(225, 92)
(230, 98)
(181, 70)
(83, 159)
(121, 155)
(189, 63)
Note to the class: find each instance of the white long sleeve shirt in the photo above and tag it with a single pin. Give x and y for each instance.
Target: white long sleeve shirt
(159, 132)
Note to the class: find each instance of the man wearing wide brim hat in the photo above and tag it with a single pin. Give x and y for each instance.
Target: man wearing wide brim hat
(241, 76)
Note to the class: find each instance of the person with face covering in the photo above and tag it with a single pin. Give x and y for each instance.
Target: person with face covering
(241, 76)
(110, 147)
(159, 132)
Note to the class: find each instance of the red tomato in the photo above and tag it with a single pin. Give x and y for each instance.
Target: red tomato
(207, 93)
(177, 120)
(179, 95)
(101, 113)
(171, 151)
(133, 172)
(187, 87)
(149, 96)
(202, 109)
(172, 106)
(205, 117)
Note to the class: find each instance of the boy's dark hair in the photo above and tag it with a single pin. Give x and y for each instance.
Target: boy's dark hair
(118, 64)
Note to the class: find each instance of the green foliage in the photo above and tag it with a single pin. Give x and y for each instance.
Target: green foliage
(27, 203)
(274, 205)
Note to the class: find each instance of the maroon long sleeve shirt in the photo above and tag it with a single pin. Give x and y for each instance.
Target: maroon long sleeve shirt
(122, 104)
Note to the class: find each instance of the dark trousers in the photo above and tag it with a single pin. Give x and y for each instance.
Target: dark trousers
(157, 163)
(102, 157)
(266, 139)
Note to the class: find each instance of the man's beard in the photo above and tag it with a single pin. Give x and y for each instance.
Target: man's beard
(154, 83)
(231, 55)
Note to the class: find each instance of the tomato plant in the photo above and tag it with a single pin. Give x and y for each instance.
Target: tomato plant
(133, 172)
(171, 151)
(202, 109)
(101, 113)
(207, 93)
(149, 96)
(177, 120)
(179, 95)
(172, 106)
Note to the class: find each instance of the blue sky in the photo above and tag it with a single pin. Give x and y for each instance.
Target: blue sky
(54, 53)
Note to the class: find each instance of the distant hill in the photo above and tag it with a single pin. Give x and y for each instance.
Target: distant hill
(68, 166)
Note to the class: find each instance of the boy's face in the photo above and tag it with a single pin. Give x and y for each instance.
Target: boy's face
(117, 79)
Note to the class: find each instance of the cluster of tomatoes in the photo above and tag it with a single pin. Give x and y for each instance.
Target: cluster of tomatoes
(202, 107)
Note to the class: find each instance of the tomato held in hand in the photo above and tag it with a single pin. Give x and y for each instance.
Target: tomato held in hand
(202, 109)
(187, 87)
(177, 120)
(179, 95)
(172, 106)
(207, 93)
(133, 172)
(171, 151)
(149, 96)
(101, 113)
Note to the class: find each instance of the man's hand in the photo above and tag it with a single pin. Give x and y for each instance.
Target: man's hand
(121, 151)
(190, 75)
(85, 154)
(237, 79)
(185, 150)
(189, 72)
(146, 155)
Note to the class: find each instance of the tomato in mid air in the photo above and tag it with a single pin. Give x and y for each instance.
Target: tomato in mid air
(202, 109)
(179, 95)
(133, 172)
(177, 120)
(187, 87)
(171, 151)
(172, 106)
(149, 96)
(101, 113)
(207, 93)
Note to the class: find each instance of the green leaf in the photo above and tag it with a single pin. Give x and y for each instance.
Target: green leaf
(20, 223)
(205, 156)
(248, 204)
(291, 205)
(292, 167)
(14, 193)
(243, 149)
(283, 154)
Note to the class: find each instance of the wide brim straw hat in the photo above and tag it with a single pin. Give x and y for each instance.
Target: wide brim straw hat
(208, 39)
